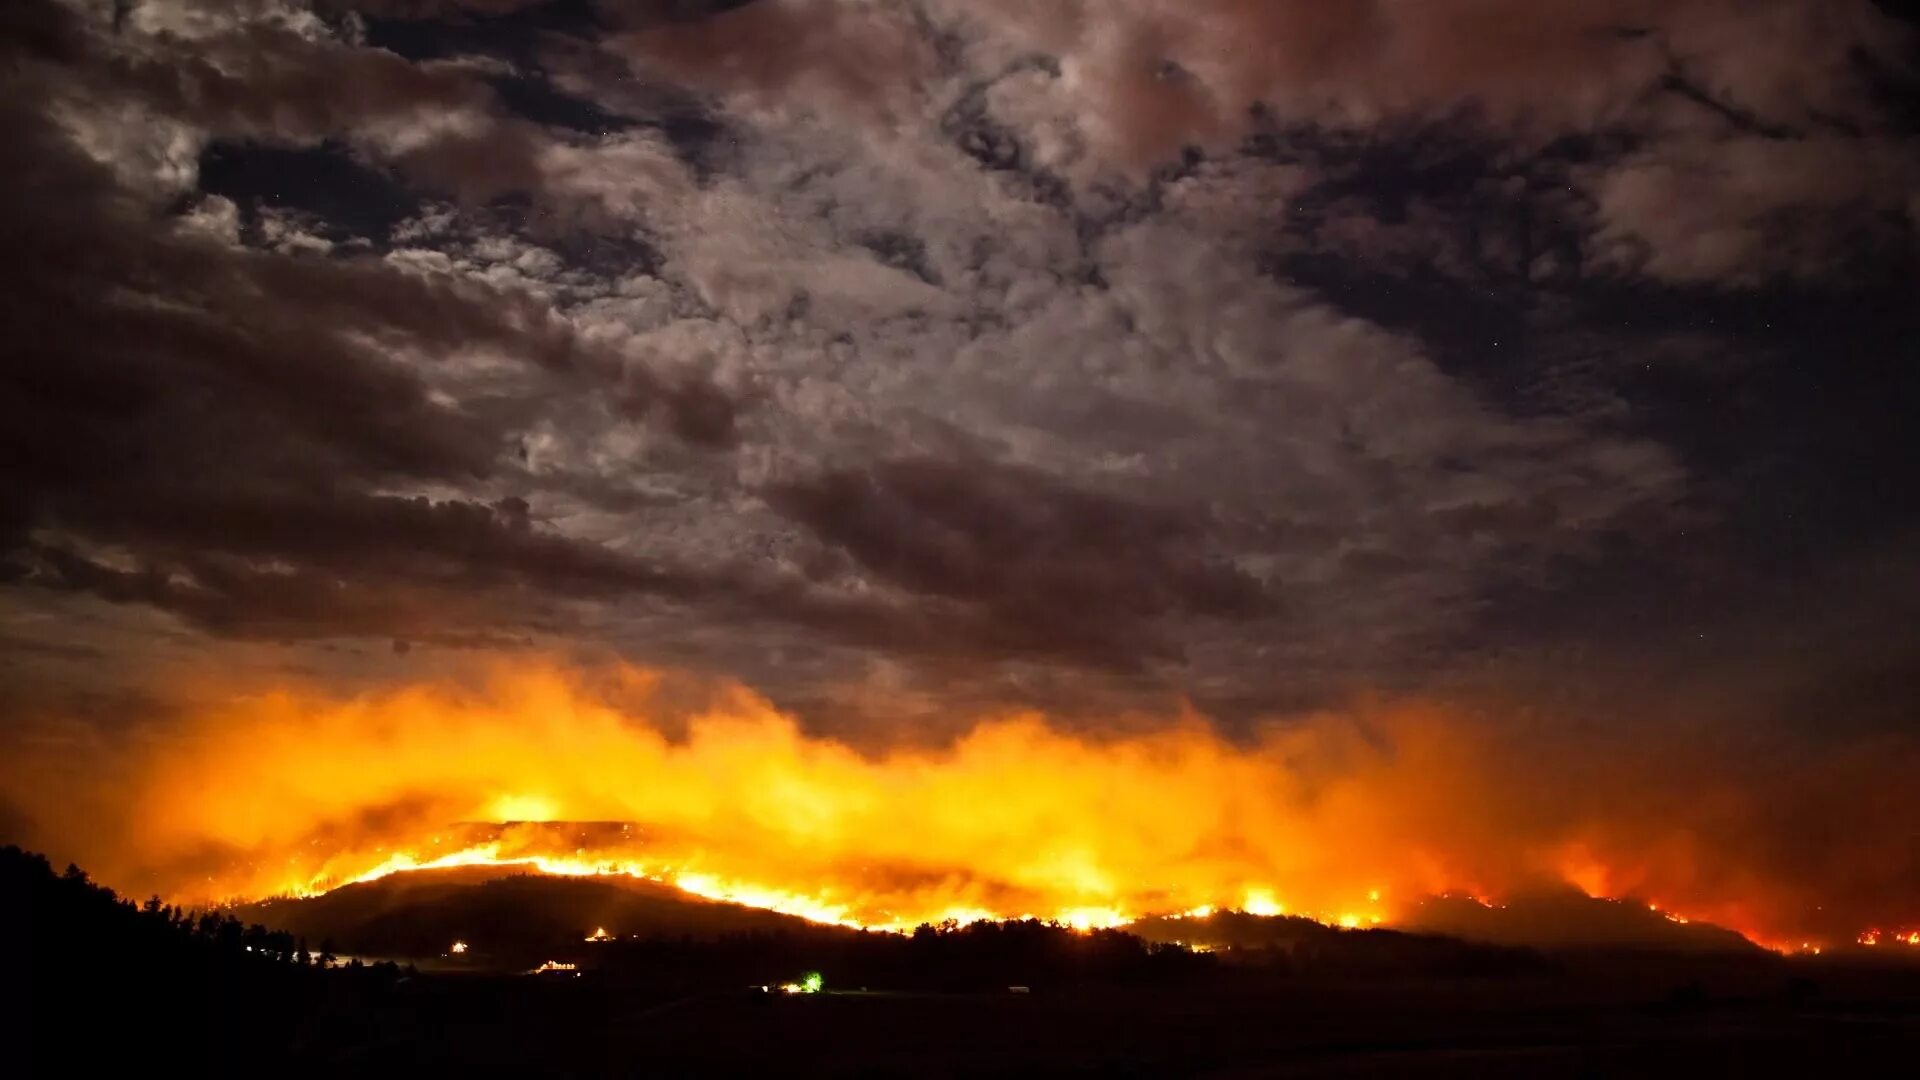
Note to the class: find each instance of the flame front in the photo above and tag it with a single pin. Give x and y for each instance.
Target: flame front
(1343, 819)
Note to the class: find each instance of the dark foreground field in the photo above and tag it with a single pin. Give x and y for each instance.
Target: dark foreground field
(111, 986)
(1560, 1026)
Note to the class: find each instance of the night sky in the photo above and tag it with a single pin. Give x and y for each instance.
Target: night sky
(907, 359)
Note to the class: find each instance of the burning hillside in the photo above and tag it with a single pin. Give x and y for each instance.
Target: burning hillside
(1351, 820)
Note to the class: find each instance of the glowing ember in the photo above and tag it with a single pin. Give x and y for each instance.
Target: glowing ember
(457, 948)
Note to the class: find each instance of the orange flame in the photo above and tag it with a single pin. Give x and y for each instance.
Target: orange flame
(1348, 819)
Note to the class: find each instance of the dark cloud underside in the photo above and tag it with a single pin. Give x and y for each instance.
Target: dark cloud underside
(1247, 352)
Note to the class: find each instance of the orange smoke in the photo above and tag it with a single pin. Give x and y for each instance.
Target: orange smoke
(1351, 818)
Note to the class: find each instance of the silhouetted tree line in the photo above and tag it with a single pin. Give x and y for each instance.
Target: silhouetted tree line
(948, 957)
(1041, 955)
(1034, 952)
(107, 980)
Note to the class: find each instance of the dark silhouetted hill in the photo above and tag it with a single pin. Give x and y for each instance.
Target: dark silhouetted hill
(1572, 920)
(509, 913)
(1311, 948)
(512, 921)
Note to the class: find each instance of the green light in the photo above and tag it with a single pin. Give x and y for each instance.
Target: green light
(813, 982)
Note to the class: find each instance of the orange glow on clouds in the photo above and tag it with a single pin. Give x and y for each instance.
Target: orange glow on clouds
(1341, 818)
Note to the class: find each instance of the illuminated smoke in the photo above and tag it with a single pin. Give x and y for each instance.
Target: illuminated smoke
(1348, 818)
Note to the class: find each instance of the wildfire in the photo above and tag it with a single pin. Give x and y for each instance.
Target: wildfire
(1351, 820)
(1671, 916)
(1094, 918)
(1261, 902)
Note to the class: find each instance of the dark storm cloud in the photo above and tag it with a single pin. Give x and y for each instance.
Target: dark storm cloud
(1050, 567)
(1249, 350)
(291, 565)
(206, 428)
(273, 82)
(861, 56)
(432, 9)
(1723, 153)
(442, 123)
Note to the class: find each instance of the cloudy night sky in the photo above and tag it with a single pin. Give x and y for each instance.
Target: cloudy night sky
(905, 359)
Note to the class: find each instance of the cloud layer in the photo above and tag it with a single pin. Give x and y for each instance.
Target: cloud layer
(1089, 354)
